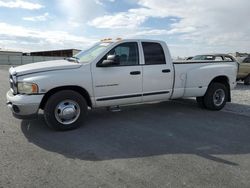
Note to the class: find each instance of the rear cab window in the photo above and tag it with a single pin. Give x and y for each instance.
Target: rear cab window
(153, 53)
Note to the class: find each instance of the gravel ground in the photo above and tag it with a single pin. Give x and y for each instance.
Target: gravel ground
(170, 144)
(240, 100)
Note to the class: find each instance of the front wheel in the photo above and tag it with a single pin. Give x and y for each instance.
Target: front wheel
(65, 110)
(216, 96)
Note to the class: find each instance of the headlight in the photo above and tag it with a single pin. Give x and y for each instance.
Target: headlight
(27, 88)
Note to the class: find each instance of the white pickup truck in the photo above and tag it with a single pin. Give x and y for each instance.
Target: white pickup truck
(114, 73)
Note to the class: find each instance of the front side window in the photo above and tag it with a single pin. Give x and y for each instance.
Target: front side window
(126, 53)
(153, 53)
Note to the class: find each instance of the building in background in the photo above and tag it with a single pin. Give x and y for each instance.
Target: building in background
(10, 52)
(55, 53)
(9, 57)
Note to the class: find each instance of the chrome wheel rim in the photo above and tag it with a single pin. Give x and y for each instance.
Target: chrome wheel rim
(219, 97)
(67, 112)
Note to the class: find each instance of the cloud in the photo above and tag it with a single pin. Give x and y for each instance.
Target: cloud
(74, 24)
(30, 38)
(20, 4)
(205, 22)
(191, 26)
(221, 25)
(43, 17)
(133, 18)
(160, 32)
(79, 11)
(119, 20)
(102, 2)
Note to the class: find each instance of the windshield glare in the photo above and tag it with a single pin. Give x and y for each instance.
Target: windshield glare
(92, 53)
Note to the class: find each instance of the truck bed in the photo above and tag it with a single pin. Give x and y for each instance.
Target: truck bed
(192, 78)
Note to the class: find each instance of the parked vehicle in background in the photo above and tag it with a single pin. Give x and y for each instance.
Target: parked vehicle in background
(189, 58)
(113, 73)
(214, 57)
(244, 70)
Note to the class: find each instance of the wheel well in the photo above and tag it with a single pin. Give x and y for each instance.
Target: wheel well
(223, 80)
(78, 89)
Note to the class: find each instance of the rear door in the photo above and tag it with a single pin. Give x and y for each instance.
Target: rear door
(157, 72)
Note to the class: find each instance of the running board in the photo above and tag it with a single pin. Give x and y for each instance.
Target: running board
(114, 108)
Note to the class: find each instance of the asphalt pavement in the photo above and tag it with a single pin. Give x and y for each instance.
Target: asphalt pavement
(169, 144)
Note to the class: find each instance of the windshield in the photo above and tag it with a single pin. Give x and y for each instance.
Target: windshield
(92, 53)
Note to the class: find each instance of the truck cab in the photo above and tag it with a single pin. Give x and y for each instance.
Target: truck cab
(133, 72)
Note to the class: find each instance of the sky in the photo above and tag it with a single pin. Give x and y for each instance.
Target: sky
(189, 27)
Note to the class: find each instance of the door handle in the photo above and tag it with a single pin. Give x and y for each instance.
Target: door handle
(166, 70)
(135, 72)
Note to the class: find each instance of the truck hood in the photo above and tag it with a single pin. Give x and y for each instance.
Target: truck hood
(45, 66)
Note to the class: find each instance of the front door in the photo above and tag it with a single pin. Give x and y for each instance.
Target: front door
(121, 83)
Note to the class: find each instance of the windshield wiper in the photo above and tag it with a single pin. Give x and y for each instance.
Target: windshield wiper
(72, 59)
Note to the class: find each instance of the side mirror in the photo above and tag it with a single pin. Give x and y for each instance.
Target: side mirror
(111, 60)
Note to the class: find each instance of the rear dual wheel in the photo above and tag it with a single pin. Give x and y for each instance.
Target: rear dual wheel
(215, 97)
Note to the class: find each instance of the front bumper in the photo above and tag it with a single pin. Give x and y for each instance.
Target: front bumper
(24, 106)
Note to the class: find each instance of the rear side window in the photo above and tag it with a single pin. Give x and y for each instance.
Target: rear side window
(153, 53)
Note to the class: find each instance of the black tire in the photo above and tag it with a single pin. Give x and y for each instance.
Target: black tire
(247, 80)
(209, 96)
(52, 104)
(200, 102)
